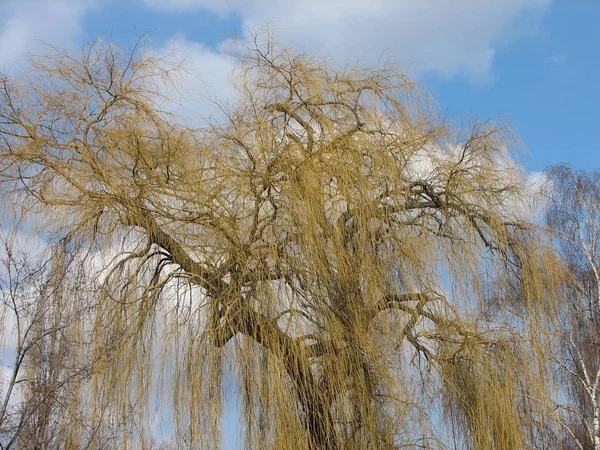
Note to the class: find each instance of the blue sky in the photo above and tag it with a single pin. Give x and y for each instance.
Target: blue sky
(546, 84)
(536, 63)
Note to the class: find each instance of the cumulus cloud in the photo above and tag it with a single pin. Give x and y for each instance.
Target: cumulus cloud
(448, 37)
(204, 79)
(25, 24)
(534, 191)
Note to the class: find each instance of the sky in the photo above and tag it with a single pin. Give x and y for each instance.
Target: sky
(534, 63)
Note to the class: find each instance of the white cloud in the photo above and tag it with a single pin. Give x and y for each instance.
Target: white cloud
(24, 24)
(534, 185)
(205, 79)
(448, 37)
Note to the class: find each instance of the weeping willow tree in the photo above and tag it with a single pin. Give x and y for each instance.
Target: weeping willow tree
(363, 270)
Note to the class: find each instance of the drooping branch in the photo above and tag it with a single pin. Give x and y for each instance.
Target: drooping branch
(140, 217)
(241, 319)
(295, 358)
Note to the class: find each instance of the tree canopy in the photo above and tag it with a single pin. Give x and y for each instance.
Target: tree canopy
(365, 271)
(573, 215)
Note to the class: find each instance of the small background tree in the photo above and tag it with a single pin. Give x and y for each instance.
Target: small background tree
(573, 214)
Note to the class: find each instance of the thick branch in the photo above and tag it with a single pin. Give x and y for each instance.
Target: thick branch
(142, 218)
(294, 356)
(257, 326)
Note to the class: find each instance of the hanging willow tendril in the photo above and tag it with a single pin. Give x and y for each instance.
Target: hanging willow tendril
(361, 270)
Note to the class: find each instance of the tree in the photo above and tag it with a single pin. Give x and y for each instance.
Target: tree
(44, 303)
(23, 306)
(360, 265)
(573, 214)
